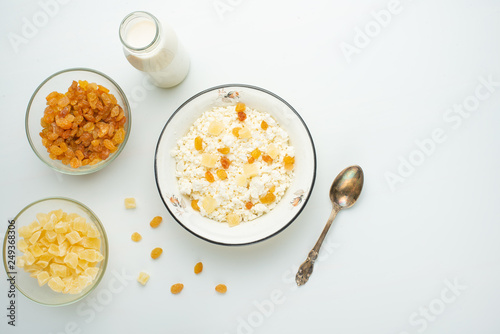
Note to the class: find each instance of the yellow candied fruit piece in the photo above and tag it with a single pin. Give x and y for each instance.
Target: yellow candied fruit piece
(215, 128)
(92, 272)
(130, 203)
(61, 227)
(155, 253)
(198, 143)
(250, 170)
(93, 243)
(194, 205)
(59, 270)
(56, 284)
(42, 264)
(198, 268)
(22, 245)
(60, 238)
(136, 237)
(35, 226)
(221, 288)
(143, 278)
(272, 151)
(90, 255)
(74, 237)
(92, 231)
(71, 260)
(176, 288)
(241, 181)
(244, 133)
(36, 250)
(43, 277)
(240, 107)
(50, 236)
(155, 222)
(43, 218)
(233, 219)
(208, 160)
(209, 204)
(24, 232)
(236, 132)
(30, 259)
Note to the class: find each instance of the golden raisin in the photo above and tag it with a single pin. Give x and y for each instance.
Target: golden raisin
(264, 125)
(155, 253)
(267, 158)
(242, 116)
(155, 222)
(272, 189)
(198, 143)
(198, 268)
(210, 178)
(136, 237)
(221, 174)
(251, 160)
(224, 150)
(194, 205)
(176, 288)
(109, 145)
(268, 198)
(240, 107)
(225, 162)
(75, 163)
(236, 131)
(248, 205)
(221, 288)
(256, 153)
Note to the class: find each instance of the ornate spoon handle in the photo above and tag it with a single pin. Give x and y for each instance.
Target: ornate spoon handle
(306, 268)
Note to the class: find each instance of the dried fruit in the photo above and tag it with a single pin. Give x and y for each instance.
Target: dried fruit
(264, 125)
(130, 203)
(136, 237)
(221, 288)
(155, 222)
(155, 253)
(242, 116)
(209, 204)
(209, 176)
(221, 174)
(224, 150)
(194, 205)
(198, 268)
(225, 162)
(244, 133)
(250, 170)
(248, 205)
(233, 219)
(236, 131)
(267, 158)
(268, 198)
(208, 160)
(251, 160)
(272, 151)
(198, 143)
(256, 153)
(143, 278)
(176, 288)
(289, 162)
(215, 128)
(240, 107)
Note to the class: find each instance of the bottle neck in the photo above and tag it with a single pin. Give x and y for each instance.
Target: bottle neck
(140, 32)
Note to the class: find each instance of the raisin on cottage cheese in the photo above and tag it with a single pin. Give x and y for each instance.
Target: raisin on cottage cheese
(234, 164)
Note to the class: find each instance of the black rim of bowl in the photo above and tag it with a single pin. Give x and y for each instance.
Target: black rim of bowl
(115, 154)
(104, 265)
(264, 91)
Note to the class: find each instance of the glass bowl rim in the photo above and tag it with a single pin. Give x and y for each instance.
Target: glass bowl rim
(104, 237)
(127, 110)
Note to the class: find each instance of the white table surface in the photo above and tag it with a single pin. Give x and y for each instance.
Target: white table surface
(416, 254)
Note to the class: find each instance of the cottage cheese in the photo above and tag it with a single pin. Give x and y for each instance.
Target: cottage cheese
(231, 194)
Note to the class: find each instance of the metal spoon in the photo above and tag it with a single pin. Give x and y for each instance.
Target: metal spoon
(344, 192)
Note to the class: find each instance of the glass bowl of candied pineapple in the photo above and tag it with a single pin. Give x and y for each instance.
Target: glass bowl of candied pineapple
(55, 251)
(78, 121)
(235, 164)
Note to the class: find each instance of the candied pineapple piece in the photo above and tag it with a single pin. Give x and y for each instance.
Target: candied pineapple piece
(136, 237)
(233, 219)
(50, 236)
(209, 204)
(79, 224)
(92, 272)
(83, 264)
(42, 264)
(130, 203)
(194, 205)
(58, 214)
(73, 237)
(35, 226)
(198, 143)
(92, 232)
(272, 151)
(215, 128)
(156, 221)
(71, 260)
(30, 259)
(36, 250)
(241, 181)
(208, 160)
(155, 253)
(56, 284)
(21, 261)
(22, 245)
(61, 227)
(93, 243)
(43, 277)
(250, 170)
(143, 278)
(24, 232)
(43, 218)
(76, 249)
(60, 238)
(198, 268)
(59, 270)
(244, 133)
(236, 131)
(90, 255)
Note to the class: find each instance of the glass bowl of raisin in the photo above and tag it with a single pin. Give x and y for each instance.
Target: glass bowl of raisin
(78, 121)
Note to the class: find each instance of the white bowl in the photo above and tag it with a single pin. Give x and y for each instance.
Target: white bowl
(266, 225)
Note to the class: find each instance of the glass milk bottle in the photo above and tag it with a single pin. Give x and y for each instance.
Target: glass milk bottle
(154, 48)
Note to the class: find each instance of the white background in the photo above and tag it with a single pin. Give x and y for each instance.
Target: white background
(387, 260)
